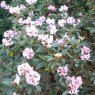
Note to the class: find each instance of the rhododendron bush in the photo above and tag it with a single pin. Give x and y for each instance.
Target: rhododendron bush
(42, 52)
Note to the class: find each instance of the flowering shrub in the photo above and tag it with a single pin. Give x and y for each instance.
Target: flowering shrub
(39, 51)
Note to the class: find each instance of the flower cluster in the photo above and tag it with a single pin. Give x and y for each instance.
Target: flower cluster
(51, 7)
(64, 41)
(62, 71)
(46, 40)
(32, 77)
(28, 53)
(63, 8)
(74, 84)
(16, 9)
(9, 35)
(51, 33)
(85, 53)
(31, 31)
(4, 5)
(11, 9)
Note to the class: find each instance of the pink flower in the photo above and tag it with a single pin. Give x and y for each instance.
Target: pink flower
(85, 50)
(9, 34)
(15, 10)
(74, 84)
(51, 7)
(7, 42)
(85, 57)
(46, 40)
(85, 53)
(33, 78)
(61, 22)
(24, 68)
(71, 20)
(50, 21)
(38, 23)
(28, 53)
(32, 31)
(62, 71)
(63, 8)
(42, 18)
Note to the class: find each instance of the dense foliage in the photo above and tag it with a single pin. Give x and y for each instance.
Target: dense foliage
(47, 47)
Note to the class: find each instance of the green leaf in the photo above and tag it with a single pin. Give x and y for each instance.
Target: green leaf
(53, 65)
(38, 88)
(52, 93)
(65, 93)
(9, 91)
(7, 82)
(29, 89)
(40, 65)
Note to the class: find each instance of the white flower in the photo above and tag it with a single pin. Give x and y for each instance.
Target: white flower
(21, 21)
(33, 78)
(15, 10)
(63, 8)
(61, 22)
(17, 80)
(46, 40)
(50, 21)
(30, 2)
(9, 34)
(31, 31)
(71, 20)
(3, 4)
(7, 42)
(24, 68)
(28, 53)
(52, 29)
(28, 20)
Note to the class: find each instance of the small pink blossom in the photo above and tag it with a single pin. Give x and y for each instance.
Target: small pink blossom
(50, 21)
(31, 31)
(71, 20)
(85, 50)
(62, 71)
(38, 23)
(7, 42)
(28, 53)
(63, 8)
(46, 40)
(24, 68)
(61, 22)
(33, 78)
(74, 84)
(27, 21)
(15, 10)
(85, 53)
(42, 18)
(51, 7)
(9, 34)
